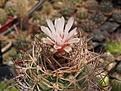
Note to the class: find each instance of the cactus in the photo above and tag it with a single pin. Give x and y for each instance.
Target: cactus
(36, 15)
(31, 2)
(68, 11)
(21, 8)
(82, 13)
(2, 3)
(91, 4)
(76, 2)
(97, 17)
(114, 44)
(10, 8)
(118, 68)
(3, 16)
(113, 47)
(106, 7)
(50, 70)
(116, 15)
(115, 84)
(5, 86)
(47, 8)
(115, 75)
(88, 25)
(60, 75)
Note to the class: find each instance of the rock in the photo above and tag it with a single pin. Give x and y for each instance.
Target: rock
(99, 38)
(109, 26)
(108, 57)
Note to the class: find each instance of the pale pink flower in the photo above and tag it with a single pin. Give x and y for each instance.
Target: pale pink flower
(60, 36)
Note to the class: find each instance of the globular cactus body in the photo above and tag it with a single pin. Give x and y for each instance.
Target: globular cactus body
(49, 69)
(21, 8)
(3, 16)
(2, 3)
(68, 11)
(118, 68)
(106, 7)
(82, 13)
(10, 8)
(88, 25)
(97, 17)
(91, 4)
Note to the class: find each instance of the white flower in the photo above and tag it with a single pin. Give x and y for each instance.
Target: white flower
(60, 36)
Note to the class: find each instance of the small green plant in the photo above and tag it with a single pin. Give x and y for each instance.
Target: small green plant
(36, 15)
(88, 25)
(113, 47)
(82, 13)
(3, 16)
(47, 8)
(115, 84)
(117, 15)
(118, 68)
(76, 2)
(31, 2)
(116, 81)
(59, 61)
(106, 7)
(10, 8)
(97, 17)
(2, 2)
(12, 53)
(68, 11)
(91, 4)
(21, 8)
(5, 86)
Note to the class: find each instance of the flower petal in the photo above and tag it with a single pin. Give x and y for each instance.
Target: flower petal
(46, 31)
(46, 41)
(51, 26)
(57, 47)
(59, 25)
(58, 39)
(73, 40)
(68, 27)
(69, 24)
(67, 49)
(55, 22)
(51, 40)
(62, 22)
(71, 33)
